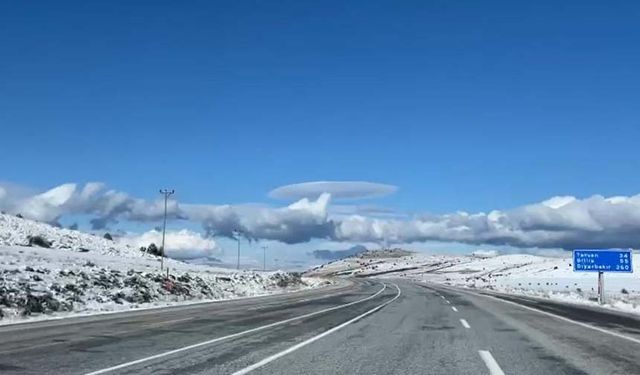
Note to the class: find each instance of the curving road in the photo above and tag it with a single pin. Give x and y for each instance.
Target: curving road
(365, 327)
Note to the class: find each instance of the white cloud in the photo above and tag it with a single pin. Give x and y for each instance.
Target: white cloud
(298, 222)
(337, 190)
(565, 223)
(560, 222)
(557, 202)
(485, 253)
(344, 210)
(181, 244)
(93, 199)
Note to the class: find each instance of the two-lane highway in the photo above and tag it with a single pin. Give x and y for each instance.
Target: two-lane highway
(369, 327)
(176, 338)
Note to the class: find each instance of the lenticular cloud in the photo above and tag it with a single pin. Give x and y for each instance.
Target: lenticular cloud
(337, 190)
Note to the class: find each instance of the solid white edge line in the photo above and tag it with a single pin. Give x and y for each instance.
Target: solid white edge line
(454, 308)
(233, 335)
(618, 335)
(314, 338)
(65, 319)
(490, 362)
(464, 323)
(585, 325)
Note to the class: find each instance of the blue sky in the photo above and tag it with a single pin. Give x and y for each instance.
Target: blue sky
(462, 105)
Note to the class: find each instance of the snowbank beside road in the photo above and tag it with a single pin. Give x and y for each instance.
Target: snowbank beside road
(82, 274)
(36, 282)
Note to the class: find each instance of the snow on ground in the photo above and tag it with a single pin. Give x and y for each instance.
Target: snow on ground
(532, 275)
(15, 231)
(82, 274)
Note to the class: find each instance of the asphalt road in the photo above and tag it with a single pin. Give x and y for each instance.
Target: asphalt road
(368, 327)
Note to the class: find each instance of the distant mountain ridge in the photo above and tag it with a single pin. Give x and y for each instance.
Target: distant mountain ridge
(338, 254)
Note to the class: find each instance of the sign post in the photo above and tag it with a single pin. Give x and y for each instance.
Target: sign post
(601, 288)
(601, 261)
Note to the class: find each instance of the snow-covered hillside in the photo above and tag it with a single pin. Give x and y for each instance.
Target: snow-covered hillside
(82, 273)
(547, 277)
(15, 231)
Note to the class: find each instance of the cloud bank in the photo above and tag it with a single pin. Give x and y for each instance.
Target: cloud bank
(299, 222)
(561, 222)
(337, 190)
(181, 244)
(107, 206)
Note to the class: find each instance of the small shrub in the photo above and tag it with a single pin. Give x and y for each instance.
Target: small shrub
(153, 249)
(107, 236)
(39, 241)
(20, 216)
(41, 304)
(624, 291)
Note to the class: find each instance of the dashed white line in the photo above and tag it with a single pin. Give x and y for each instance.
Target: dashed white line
(585, 325)
(233, 335)
(464, 323)
(442, 297)
(292, 349)
(490, 362)
(454, 308)
(447, 301)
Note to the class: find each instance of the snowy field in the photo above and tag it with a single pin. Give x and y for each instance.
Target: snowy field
(81, 273)
(545, 277)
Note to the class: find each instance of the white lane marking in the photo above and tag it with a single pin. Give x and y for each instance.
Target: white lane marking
(139, 311)
(454, 308)
(581, 324)
(447, 301)
(315, 338)
(585, 325)
(490, 362)
(442, 297)
(464, 323)
(233, 335)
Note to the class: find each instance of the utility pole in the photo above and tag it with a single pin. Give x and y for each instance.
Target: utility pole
(166, 193)
(237, 234)
(264, 258)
